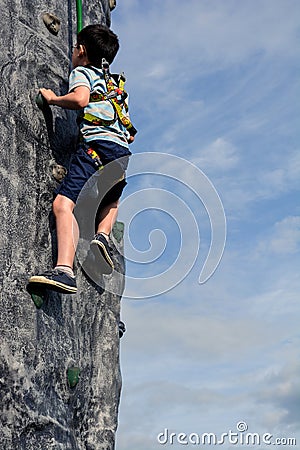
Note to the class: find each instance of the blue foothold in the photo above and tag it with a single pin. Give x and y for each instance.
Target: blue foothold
(122, 328)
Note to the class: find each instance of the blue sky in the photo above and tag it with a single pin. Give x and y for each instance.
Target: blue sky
(215, 83)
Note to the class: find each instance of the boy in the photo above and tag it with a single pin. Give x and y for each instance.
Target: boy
(103, 139)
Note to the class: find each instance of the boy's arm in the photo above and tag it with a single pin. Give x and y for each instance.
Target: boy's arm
(77, 99)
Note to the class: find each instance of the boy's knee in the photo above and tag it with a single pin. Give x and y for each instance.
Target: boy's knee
(62, 205)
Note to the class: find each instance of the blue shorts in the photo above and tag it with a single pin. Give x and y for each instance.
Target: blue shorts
(83, 167)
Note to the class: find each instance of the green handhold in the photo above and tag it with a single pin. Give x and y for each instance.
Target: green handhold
(40, 101)
(37, 294)
(118, 231)
(38, 300)
(73, 376)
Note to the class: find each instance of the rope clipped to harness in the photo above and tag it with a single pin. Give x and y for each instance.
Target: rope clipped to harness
(117, 96)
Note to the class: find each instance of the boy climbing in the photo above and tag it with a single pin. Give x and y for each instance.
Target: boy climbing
(105, 132)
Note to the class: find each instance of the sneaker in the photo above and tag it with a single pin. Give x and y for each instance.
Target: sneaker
(55, 280)
(100, 249)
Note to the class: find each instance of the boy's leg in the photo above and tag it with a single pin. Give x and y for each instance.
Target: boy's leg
(66, 229)
(102, 260)
(62, 278)
(107, 218)
(82, 167)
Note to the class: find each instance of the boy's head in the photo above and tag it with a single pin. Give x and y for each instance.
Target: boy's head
(99, 42)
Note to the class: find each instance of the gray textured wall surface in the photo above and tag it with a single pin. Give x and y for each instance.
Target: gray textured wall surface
(39, 410)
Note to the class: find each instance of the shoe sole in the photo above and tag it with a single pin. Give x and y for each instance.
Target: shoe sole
(95, 244)
(55, 285)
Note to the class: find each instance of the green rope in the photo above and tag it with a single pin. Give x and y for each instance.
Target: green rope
(79, 15)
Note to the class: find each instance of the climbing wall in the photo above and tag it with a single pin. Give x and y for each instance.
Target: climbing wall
(59, 365)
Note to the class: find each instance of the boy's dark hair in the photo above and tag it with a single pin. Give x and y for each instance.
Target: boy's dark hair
(100, 42)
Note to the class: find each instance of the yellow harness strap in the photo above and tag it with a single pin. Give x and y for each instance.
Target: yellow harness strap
(97, 121)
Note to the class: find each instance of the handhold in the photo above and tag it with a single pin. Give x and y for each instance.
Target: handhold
(38, 300)
(40, 101)
(112, 4)
(73, 376)
(122, 328)
(37, 294)
(52, 23)
(118, 231)
(58, 171)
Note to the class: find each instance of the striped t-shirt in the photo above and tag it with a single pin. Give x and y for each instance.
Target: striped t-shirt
(92, 77)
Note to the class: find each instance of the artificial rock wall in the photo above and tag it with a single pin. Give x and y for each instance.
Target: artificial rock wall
(41, 408)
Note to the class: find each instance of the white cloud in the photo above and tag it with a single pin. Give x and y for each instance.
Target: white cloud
(219, 31)
(281, 176)
(252, 183)
(286, 237)
(219, 155)
(208, 355)
(282, 390)
(199, 336)
(283, 239)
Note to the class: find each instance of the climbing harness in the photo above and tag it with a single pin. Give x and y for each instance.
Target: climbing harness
(116, 96)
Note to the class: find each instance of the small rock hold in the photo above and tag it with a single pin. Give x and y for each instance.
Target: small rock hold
(112, 4)
(52, 23)
(58, 171)
(122, 328)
